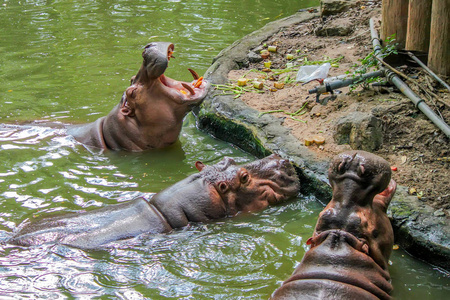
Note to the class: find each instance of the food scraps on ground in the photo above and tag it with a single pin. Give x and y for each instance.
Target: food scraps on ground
(272, 48)
(308, 141)
(258, 85)
(278, 85)
(318, 139)
(265, 54)
(242, 81)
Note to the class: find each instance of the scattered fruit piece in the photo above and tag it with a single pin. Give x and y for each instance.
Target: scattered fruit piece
(272, 48)
(265, 54)
(289, 56)
(318, 139)
(242, 82)
(393, 168)
(412, 191)
(273, 89)
(308, 141)
(419, 195)
(267, 64)
(278, 85)
(395, 247)
(258, 85)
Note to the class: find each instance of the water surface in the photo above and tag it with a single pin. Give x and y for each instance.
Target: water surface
(69, 62)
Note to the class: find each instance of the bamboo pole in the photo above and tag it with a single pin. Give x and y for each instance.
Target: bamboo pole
(404, 88)
(439, 52)
(394, 20)
(419, 21)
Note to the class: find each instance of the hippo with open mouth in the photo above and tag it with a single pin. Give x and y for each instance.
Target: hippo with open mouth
(217, 191)
(353, 237)
(151, 111)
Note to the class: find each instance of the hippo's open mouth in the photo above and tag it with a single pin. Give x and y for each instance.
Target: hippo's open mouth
(156, 59)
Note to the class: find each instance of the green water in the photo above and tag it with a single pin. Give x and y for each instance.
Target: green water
(69, 62)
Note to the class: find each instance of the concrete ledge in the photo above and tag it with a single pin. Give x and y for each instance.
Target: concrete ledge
(417, 229)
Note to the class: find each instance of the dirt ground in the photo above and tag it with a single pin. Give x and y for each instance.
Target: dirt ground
(417, 150)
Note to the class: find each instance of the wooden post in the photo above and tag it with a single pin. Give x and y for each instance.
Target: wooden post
(439, 53)
(394, 20)
(419, 21)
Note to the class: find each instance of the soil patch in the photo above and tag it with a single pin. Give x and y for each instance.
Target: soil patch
(417, 150)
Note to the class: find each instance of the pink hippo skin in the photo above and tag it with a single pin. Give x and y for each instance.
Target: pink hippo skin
(353, 237)
(151, 111)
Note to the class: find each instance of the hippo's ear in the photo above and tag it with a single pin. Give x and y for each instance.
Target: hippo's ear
(199, 165)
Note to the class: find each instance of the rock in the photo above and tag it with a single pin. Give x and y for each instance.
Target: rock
(332, 7)
(439, 213)
(360, 130)
(254, 57)
(336, 28)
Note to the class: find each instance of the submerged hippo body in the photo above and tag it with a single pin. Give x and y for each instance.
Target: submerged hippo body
(217, 191)
(353, 237)
(151, 110)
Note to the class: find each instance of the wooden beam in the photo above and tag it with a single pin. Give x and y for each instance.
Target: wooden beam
(394, 20)
(439, 53)
(419, 21)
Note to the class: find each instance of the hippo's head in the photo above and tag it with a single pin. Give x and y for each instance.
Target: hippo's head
(359, 173)
(152, 108)
(362, 191)
(353, 237)
(150, 86)
(225, 188)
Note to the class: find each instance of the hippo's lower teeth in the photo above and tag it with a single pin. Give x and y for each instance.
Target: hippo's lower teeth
(189, 88)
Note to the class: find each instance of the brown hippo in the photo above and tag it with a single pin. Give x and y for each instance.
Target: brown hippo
(217, 191)
(151, 110)
(353, 237)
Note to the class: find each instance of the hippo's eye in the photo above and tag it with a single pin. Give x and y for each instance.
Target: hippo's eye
(245, 177)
